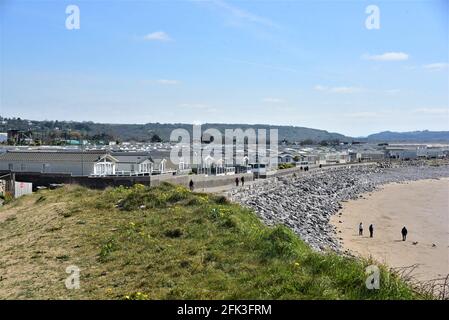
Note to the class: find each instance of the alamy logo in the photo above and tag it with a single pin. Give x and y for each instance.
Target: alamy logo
(373, 279)
(372, 22)
(236, 147)
(73, 280)
(72, 22)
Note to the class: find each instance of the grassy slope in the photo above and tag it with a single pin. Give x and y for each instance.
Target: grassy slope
(180, 246)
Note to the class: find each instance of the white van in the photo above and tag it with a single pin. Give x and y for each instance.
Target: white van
(259, 169)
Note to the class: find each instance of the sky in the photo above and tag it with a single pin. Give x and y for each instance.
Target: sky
(306, 63)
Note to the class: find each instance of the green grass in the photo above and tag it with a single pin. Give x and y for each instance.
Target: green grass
(286, 166)
(169, 243)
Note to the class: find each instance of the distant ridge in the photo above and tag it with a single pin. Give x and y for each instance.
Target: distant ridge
(144, 132)
(412, 136)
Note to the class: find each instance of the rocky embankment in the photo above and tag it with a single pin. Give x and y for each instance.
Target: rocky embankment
(305, 202)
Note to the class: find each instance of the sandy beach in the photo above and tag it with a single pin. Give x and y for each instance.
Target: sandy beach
(422, 206)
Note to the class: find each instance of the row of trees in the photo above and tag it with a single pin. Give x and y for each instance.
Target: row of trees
(310, 142)
(59, 137)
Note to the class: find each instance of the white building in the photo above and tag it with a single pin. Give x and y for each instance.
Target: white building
(133, 163)
(76, 163)
(403, 153)
(285, 158)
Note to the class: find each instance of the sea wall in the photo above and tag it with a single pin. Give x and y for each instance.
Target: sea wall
(200, 181)
(305, 202)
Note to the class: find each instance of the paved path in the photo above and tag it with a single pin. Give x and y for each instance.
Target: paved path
(225, 188)
(228, 187)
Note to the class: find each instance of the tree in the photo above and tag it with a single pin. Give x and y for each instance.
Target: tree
(75, 135)
(306, 142)
(155, 138)
(102, 138)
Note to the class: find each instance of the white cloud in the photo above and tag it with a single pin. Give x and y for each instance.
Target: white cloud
(436, 66)
(363, 115)
(198, 106)
(167, 82)
(320, 88)
(157, 36)
(392, 91)
(244, 15)
(387, 56)
(263, 65)
(273, 100)
(343, 90)
(432, 111)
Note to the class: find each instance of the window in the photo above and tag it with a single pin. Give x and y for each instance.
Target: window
(104, 168)
(10, 166)
(144, 167)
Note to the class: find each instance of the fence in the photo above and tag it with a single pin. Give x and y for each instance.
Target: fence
(22, 188)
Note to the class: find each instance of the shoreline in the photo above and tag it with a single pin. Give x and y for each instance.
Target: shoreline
(305, 203)
(421, 205)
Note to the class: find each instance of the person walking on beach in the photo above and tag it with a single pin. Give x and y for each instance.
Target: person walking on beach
(191, 185)
(242, 180)
(371, 230)
(236, 182)
(404, 233)
(361, 229)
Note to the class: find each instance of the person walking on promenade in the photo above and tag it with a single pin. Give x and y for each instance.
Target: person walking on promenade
(361, 229)
(242, 180)
(191, 185)
(404, 233)
(236, 182)
(371, 230)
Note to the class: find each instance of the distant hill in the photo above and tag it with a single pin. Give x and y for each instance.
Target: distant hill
(412, 136)
(144, 132)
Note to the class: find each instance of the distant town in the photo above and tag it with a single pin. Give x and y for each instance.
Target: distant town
(50, 155)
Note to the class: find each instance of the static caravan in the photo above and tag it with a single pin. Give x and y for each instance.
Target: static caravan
(76, 163)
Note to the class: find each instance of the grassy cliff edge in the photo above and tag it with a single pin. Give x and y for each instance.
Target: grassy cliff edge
(166, 243)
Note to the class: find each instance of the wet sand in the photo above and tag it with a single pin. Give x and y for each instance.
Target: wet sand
(422, 206)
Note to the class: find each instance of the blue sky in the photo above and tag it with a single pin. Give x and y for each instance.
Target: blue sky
(304, 63)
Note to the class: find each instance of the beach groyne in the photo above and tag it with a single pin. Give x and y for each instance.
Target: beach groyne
(305, 202)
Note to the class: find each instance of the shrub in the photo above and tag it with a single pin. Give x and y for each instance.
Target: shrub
(136, 296)
(7, 197)
(173, 233)
(220, 200)
(279, 242)
(154, 197)
(106, 249)
(286, 166)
